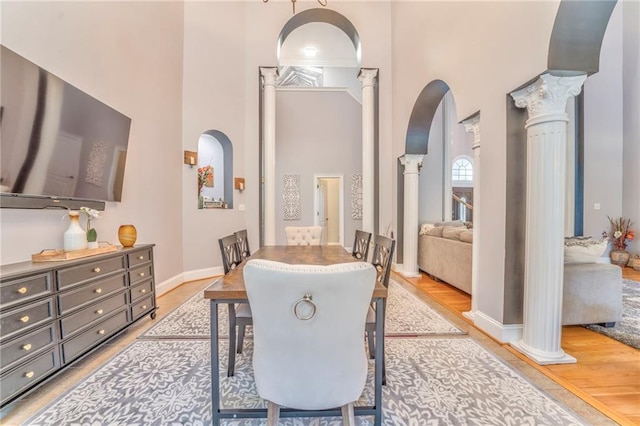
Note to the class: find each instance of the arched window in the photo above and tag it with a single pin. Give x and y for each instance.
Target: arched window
(462, 170)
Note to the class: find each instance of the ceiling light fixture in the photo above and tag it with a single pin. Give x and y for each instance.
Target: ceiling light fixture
(322, 3)
(310, 51)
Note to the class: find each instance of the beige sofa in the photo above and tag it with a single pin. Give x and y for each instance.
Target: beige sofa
(592, 292)
(447, 257)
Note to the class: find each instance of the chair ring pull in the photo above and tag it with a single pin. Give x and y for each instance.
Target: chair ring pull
(307, 298)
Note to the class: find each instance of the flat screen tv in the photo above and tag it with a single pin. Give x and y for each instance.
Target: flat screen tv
(59, 147)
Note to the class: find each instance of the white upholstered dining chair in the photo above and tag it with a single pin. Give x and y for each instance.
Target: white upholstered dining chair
(308, 323)
(303, 235)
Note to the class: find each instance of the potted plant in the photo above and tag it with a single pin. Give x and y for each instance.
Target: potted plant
(92, 234)
(620, 233)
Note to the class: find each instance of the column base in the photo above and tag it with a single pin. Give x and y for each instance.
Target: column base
(542, 357)
(470, 315)
(411, 274)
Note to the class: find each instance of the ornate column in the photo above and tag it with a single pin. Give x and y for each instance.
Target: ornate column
(472, 125)
(412, 164)
(269, 76)
(546, 101)
(367, 78)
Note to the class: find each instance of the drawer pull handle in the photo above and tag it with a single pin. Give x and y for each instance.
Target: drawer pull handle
(27, 347)
(144, 290)
(98, 290)
(99, 311)
(141, 274)
(96, 269)
(29, 374)
(100, 331)
(22, 290)
(25, 318)
(141, 257)
(144, 307)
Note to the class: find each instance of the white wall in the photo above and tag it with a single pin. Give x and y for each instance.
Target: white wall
(603, 113)
(431, 174)
(129, 56)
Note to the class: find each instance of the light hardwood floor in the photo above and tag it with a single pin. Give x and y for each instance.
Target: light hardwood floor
(607, 374)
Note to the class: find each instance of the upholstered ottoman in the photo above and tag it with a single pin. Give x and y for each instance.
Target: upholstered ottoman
(592, 294)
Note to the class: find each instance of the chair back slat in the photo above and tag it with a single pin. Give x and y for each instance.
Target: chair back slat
(361, 245)
(230, 254)
(382, 257)
(243, 244)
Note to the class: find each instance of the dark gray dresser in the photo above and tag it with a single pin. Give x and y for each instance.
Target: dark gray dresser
(52, 313)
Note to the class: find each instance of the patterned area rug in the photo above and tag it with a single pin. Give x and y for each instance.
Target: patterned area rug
(406, 315)
(430, 381)
(626, 331)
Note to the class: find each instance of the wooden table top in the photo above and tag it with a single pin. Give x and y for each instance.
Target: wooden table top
(231, 285)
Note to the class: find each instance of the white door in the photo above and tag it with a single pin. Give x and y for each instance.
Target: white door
(329, 208)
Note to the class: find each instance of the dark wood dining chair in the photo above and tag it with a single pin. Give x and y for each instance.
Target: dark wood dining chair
(239, 314)
(243, 320)
(383, 250)
(361, 245)
(243, 244)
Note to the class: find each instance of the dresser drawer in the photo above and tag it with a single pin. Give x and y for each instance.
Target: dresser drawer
(92, 313)
(89, 271)
(25, 376)
(71, 300)
(139, 257)
(78, 345)
(26, 318)
(140, 274)
(27, 345)
(141, 290)
(25, 289)
(142, 307)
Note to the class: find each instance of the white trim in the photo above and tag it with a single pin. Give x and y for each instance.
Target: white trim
(502, 333)
(175, 281)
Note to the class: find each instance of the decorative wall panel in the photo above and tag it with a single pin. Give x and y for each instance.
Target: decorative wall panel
(356, 196)
(291, 197)
(97, 159)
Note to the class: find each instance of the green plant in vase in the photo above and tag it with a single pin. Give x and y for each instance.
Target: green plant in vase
(92, 234)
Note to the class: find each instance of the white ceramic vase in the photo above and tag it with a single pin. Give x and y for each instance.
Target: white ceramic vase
(75, 238)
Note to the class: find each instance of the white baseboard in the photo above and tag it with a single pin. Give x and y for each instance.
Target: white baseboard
(501, 332)
(176, 280)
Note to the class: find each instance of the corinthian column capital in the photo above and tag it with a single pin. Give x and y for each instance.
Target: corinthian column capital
(269, 76)
(368, 76)
(472, 125)
(411, 163)
(548, 94)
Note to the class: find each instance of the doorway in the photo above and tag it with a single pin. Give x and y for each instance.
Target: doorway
(329, 208)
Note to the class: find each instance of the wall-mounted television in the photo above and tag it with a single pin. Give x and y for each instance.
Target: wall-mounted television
(59, 147)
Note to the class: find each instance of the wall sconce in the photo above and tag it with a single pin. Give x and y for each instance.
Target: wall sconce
(190, 158)
(238, 183)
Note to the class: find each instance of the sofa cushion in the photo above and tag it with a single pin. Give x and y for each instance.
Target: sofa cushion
(583, 249)
(457, 223)
(425, 227)
(435, 231)
(466, 236)
(452, 232)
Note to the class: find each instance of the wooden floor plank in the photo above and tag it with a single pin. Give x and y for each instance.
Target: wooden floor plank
(607, 374)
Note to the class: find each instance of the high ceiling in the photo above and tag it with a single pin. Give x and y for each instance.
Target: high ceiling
(333, 47)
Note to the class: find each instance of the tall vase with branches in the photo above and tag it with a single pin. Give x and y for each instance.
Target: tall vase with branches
(619, 234)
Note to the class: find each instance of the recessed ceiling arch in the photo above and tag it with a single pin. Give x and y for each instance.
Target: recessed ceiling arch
(577, 36)
(318, 15)
(424, 109)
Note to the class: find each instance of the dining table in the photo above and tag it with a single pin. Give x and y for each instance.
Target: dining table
(230, 289)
